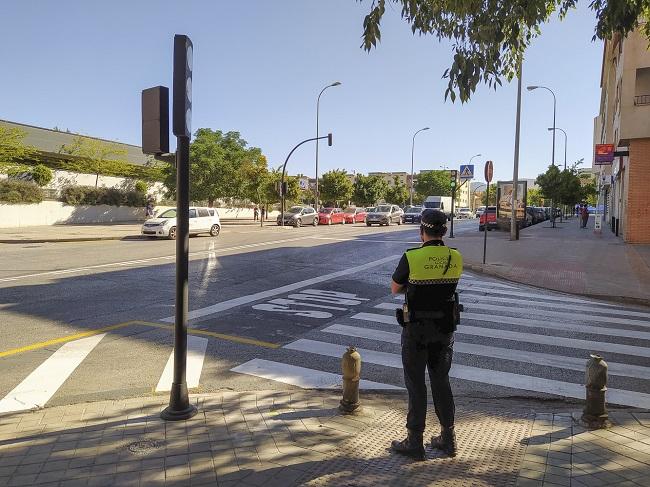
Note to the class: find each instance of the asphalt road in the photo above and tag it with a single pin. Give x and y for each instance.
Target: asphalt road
(274, 308)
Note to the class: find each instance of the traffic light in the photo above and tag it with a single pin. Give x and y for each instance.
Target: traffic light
(182, 89)
(452, 182)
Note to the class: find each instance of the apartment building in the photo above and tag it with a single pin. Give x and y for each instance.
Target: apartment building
(389, 177)
(624, 120)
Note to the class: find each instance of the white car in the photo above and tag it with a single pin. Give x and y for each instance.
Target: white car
(464, 213)
(202, 220)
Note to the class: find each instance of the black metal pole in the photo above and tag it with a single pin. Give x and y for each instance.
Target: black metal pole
(179, 403)
(453, 198)
(485, 227)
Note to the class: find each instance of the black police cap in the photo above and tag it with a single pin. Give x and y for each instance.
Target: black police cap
(432, 217)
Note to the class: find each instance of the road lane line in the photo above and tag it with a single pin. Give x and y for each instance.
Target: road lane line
(301, 376)
(146, 261)
(39, 386)
(68, 338)
(221, 336)
(250, 298)
(332, 350)
(367, 240)
(531, 323)
(196, 347)
(603, 347)
(537, 295)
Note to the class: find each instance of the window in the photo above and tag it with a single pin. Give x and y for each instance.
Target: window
(193, 213)
(203, 212)
(211, 211)
(642, 87)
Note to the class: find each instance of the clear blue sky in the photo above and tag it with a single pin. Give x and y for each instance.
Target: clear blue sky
(259, 65)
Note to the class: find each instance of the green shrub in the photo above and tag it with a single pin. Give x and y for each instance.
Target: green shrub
(19, 191)
(89, 195)
(41, 175)
(141, 186)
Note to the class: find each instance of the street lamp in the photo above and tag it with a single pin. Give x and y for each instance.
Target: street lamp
(531, 88)
(412, 149)
(473, 195)
(470, 159)
(336, 83)
(565, 142)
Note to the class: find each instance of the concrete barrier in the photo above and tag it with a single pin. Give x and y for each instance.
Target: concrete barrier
(57, 213)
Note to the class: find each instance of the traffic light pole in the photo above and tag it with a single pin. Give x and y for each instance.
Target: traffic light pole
(453, 200)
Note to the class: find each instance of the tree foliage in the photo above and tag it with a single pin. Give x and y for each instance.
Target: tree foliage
(99, 156)
(41, 175)
(534, 197)
(493, 196)
(13, 150)
(432, 183)
(489, 37)
(368, 190)
(336, 187)
(398, 193)
(566, 187)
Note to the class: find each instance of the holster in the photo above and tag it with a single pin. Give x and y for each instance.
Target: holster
(425, 326)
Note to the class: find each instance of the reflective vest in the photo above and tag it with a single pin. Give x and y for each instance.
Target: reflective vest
(434, 271)
(434, 264)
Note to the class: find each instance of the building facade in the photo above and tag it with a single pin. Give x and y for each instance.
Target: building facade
(624, 120)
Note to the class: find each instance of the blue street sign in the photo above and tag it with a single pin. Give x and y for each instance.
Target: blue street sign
(466, 172)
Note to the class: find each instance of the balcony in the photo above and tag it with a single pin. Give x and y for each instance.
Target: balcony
(641, 100)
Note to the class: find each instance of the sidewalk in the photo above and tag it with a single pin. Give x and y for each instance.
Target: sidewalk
(299, 438)
(567, 259)
(88, 233)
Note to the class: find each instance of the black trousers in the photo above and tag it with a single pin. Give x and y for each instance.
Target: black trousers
(436, 357)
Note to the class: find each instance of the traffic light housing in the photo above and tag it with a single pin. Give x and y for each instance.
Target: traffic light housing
(182, 89)
(452, 181)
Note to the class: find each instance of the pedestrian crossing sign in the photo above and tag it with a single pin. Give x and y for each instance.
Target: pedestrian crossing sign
(466, 172)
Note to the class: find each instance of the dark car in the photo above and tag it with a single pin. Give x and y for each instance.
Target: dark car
(489, 216)
(413, 215)
(385, 214)
(529, 218)
(298, 216)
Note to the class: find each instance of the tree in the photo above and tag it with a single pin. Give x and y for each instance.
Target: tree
(41, 175)
(335, 186)
(13, 150)
(432, 183)
(493, 196)
(271, 184)
(98, 155)
(489, 38)
(369, 189)
(535, 197)
(398, 193)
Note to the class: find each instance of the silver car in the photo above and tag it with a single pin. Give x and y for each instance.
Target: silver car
(385, 215)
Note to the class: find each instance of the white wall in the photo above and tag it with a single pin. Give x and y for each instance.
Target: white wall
(66, 178)
(55, 212)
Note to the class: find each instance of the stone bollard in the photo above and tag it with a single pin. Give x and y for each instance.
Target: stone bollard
(351, 367)
(594, 415)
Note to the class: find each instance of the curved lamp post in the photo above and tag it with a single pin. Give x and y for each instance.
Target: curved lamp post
(412, 150)
(565, 142)
(284, 169)
(336, 83)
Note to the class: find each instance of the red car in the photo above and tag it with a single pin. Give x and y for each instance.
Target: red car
(355, 215)
(329, 216)
(489, 215)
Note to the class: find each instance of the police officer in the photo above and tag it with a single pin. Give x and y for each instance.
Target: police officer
(428, 275)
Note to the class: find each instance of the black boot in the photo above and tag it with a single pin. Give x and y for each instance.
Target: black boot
(446, 441)
(412, 446)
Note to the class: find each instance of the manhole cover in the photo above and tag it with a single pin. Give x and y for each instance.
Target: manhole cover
(144, 447)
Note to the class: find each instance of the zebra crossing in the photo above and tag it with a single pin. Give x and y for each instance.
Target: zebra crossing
(510, 336)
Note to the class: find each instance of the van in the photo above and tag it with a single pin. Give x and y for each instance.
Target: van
(202, 220)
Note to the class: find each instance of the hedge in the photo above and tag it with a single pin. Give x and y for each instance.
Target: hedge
(90, 195)
(20, 191)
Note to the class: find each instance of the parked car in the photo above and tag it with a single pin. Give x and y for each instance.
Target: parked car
(298, 216)
(370, 209)
(413, 215)
(489, 215)
(529, 216)
(329, 216)
(464, 213)
(540, 214)
(479, 211)
(355, 215)
(202, 220)
(385, 215)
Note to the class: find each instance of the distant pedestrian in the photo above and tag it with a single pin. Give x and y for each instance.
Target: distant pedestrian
(263, 213)
(148, 209)
(585, 216)
(256, 213)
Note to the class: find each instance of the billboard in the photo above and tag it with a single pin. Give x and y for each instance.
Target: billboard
(604, 154)
(505, 203)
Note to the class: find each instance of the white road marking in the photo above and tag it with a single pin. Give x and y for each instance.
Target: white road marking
(210, 266)
(530, 323)
(566, 306)
(402, 242)
(301, 376)
(394, 360)
(250, 298)
(196, 347)
(564, 299)
(559, 314)
(600, 346)
(144, 261)
(39, 386)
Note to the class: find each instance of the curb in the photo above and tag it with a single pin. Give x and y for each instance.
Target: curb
(69, 239)
(603, 297)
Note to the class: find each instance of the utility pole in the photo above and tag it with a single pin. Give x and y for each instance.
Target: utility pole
(514, 230)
